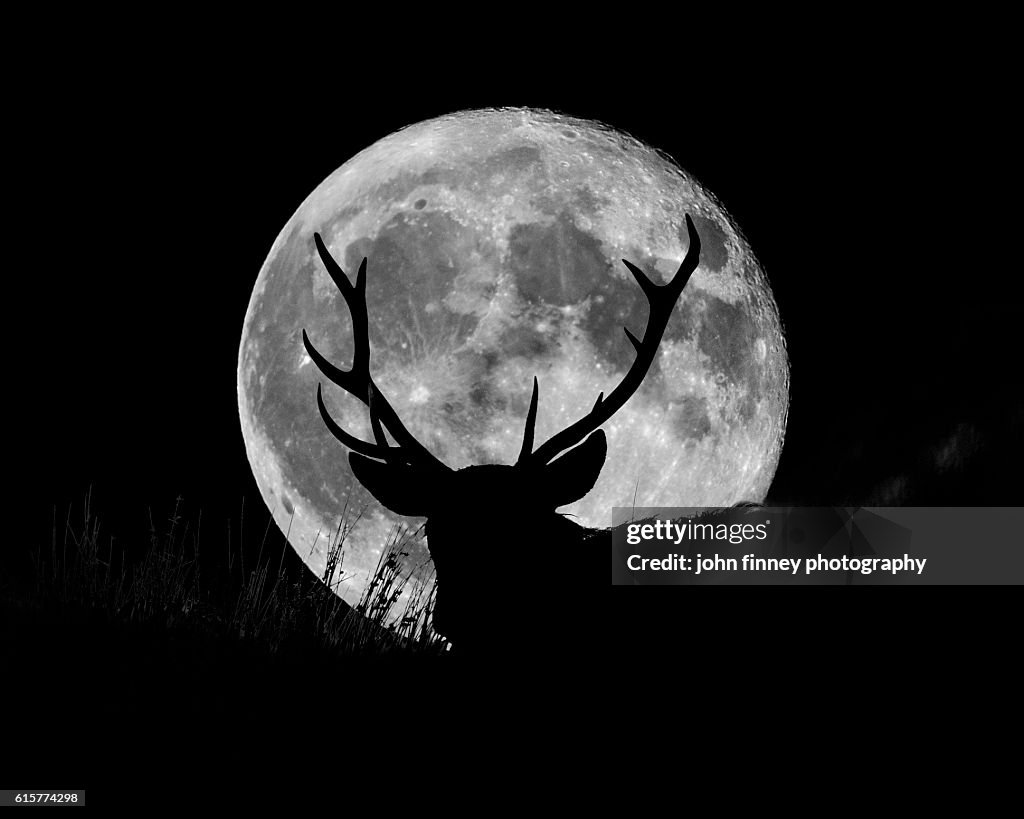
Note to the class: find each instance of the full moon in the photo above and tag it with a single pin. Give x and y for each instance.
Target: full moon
(494, 241)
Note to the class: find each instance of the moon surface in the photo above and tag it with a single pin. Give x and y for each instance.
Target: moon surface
(494, 240)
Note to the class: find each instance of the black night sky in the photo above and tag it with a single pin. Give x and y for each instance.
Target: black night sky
(167, 174)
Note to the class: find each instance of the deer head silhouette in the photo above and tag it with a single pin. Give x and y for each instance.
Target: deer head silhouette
(478, 551)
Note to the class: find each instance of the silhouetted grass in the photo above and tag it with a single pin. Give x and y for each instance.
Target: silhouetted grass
(176, 581)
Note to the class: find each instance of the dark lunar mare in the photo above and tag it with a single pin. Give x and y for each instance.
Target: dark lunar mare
(491, 528)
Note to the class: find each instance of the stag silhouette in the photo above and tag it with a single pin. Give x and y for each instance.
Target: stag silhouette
(489, 591)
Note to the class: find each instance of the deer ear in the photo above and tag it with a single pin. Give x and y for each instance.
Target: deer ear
(402, 489)
(570, 477)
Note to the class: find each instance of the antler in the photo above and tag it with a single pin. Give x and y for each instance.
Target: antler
(359, 383)
(662, 299)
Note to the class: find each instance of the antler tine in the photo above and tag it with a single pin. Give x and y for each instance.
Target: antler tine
(531, 423)
(375, 425)
(662, 300)
(663, 297)
(358, 382)
(347, 380)
(382, 452)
